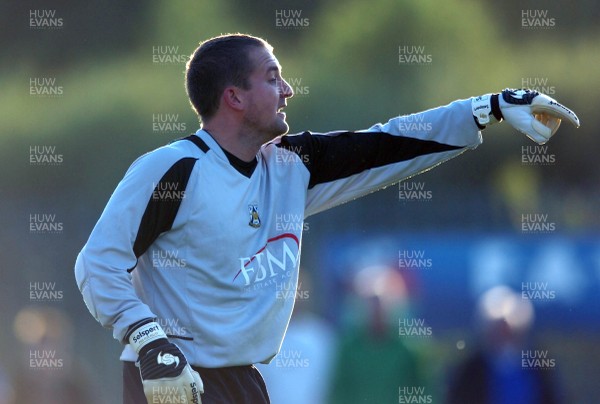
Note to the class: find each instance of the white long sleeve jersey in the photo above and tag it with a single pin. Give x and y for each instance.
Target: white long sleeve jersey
(206, 243)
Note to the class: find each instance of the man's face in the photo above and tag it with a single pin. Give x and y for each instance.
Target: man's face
(267, 95)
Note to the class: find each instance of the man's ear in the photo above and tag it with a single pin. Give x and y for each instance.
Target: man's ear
(233, 98)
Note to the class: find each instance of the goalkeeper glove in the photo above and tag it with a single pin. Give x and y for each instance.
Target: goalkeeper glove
(166, 374)
(536, 115)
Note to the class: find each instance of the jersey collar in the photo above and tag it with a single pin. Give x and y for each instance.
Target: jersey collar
(246, 168)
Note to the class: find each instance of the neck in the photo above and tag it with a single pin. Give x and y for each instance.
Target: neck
(241, 145)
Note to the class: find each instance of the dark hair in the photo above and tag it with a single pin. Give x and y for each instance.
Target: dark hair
(217, 63)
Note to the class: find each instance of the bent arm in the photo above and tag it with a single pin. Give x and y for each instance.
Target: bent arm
(136, 214)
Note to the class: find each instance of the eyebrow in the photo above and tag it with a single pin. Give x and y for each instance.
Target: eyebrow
(274, 68)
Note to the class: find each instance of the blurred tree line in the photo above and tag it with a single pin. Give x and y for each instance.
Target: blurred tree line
(346, 58)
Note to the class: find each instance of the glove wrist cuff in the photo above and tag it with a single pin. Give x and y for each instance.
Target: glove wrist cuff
(496, 111)
(486, 110)
(145, 334)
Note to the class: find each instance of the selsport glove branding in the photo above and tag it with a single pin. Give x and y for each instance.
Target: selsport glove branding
(565, 109)
(144, 333)
(195, 393)
(167, 359)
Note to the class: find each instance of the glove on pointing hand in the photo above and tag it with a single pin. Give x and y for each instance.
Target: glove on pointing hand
(536, 115)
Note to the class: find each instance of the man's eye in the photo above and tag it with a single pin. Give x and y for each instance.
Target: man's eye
(273, 81)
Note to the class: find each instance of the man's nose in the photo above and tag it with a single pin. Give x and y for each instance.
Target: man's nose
(285, 90)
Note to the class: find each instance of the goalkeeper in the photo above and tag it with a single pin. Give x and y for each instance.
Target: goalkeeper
(185, 262)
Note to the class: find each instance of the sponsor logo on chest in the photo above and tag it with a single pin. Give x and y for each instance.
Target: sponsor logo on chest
(275, 261)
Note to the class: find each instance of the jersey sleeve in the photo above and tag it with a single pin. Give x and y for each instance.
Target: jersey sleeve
(345, 165)
(143, 205)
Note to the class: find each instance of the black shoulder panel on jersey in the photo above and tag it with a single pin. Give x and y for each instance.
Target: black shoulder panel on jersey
(197, 141)
(163, 204)
(342, 154)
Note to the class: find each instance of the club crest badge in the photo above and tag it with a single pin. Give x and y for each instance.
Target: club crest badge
(254, 218)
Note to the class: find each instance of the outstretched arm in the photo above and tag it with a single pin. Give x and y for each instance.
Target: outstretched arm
(348, 164)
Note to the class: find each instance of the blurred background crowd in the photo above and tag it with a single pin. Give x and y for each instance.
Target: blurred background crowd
(481, 286)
